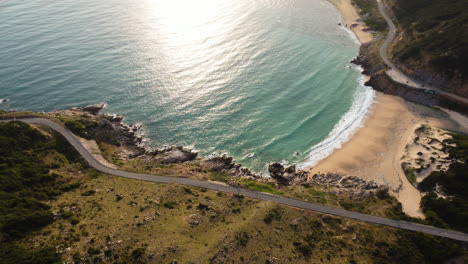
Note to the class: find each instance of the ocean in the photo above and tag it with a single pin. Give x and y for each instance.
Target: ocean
(262, 81)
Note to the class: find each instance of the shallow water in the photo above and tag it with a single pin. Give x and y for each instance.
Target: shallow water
(269, 77)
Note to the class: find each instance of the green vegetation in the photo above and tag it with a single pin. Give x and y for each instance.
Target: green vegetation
(13, 254)
(260, 186)
(219, 176)
(434, 36)
(274, 214)
(115, 220)
(369, 11)
(25, 183)
(451, 211)
(80, 126)
(410, 174)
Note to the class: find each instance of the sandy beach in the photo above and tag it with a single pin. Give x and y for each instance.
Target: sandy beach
(351, 20)
(375, 151)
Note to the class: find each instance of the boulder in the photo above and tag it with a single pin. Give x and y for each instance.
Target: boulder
(287, 176)
(220, 163)
(113, 118)
(176, 155)
(93, 109)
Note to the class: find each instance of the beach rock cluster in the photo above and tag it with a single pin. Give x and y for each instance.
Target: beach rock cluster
(286, 176)
(335, 183)
(347, 184)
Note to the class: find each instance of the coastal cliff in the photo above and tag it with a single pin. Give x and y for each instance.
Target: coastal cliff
(430, 46)
(373, 67)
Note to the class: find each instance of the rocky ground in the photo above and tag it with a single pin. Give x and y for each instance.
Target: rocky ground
(128, 142)
(373, 67)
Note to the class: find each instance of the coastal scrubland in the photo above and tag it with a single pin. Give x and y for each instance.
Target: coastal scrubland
(446, 200)
(369, 12)
(433, 44)
(432, 40)
(83, 216)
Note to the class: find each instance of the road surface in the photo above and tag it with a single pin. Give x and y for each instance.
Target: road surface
(394, 73)
(236, 190)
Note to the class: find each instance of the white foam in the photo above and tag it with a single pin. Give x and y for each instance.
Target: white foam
(351, 34)
(2, 100)
(346, 127)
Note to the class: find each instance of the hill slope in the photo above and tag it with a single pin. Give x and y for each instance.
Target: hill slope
(433, 42)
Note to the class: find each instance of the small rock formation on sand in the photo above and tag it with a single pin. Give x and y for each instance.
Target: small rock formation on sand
(287, 176)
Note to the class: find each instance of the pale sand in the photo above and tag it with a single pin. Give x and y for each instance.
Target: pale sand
(94, 149)
(375, 151)
(350, 16)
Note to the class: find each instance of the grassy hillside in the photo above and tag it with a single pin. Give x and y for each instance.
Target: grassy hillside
(26, 184)
(79, 216)
(434, 39)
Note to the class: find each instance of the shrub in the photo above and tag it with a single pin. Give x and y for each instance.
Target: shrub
(170, 204)
(138, 253)
(88, 193)
(274, 214)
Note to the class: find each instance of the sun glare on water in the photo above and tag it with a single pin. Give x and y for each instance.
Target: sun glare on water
(187, 20)
(190, 36)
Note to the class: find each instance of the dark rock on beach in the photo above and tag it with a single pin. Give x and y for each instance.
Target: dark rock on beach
(287, 176)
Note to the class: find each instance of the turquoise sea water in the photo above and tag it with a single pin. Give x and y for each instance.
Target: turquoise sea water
(269, 77)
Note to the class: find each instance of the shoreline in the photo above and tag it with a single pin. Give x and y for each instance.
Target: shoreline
(374, 150)
(345, 128)
(352, 21)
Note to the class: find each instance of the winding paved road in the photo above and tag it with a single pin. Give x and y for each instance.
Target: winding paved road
(394, 73)
(248, 193)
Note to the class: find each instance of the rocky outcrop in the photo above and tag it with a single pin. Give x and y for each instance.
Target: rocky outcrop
(93, 109)
(174, 155)
(347, 184)
(286, 176)
(229, 165)
(378, 79)
(106, 128)
(223, 163)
